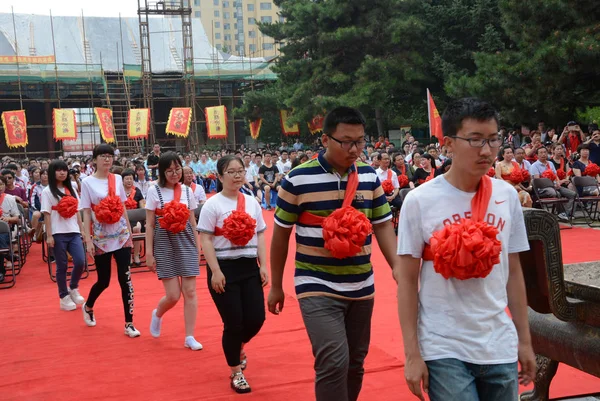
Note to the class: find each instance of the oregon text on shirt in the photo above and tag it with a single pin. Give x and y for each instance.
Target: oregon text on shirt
(314, 187)
(463, 319)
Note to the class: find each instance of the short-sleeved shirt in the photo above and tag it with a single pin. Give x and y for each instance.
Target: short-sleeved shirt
(269, 172)
(106, 237)
(9, 206)
(60, 225)
(463, 319)
(199, 193)
(138, 197)
(315, 187)
(538, 168)
(17, 191)
(153, 201)
(594, 152)
(215, 211)
(382, 175)
(152, 161)
(204, 168)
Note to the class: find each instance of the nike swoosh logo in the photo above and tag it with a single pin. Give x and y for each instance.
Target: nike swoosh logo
(497, 203)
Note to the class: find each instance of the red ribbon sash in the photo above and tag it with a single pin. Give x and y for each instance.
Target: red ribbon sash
(112, 188)
(310, 219)
(193, 186)
(479, 205)
(241, 207)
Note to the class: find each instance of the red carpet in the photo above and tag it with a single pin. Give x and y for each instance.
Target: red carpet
(51, 355)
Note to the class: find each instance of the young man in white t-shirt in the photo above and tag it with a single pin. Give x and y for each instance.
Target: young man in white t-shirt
(459, 342)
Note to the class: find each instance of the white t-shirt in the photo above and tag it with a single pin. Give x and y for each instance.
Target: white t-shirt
(60, 225)
(153, 201)
(463, 319)
(212, 215)
(107, 237)
(199, 193)
(9, 206)
(384, 174)
(284, 168)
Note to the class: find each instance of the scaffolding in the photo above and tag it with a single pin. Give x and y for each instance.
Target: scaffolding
(172, 9)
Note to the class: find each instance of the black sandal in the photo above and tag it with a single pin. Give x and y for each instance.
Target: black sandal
(239, 383)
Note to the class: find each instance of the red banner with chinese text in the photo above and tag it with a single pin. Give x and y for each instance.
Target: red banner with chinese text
(64, 125)
(15, 128)
(287, 128)
(138, 123)
(435, 121)
(107, 129)
(179, 121)
(316, 124)
(216, 122)
(255, 128)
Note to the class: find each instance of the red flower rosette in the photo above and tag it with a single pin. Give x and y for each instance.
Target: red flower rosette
(131, 204)
(491, 172)
(239, 228)
(403, 180)
(592, 169)
(109, 210)
(211, 177)
(526, 175)
(345, 232)
(549, 174)
(561, 174)
(387, 186)
(174, 216)
(465, 250)
(429, 178)
(516, 176)
(67, 207)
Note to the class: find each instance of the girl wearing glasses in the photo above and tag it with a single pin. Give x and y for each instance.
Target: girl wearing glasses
(231, 230)
(171, 245)
(102, 202)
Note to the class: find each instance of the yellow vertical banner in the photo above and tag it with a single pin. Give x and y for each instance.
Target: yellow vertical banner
(216, 122)
(15, 128)
(286, 127)
(64, 125)
(179, 121)
(255, 128)
(138, 123)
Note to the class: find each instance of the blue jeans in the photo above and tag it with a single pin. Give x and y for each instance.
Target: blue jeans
(73, 244)
(454, 380)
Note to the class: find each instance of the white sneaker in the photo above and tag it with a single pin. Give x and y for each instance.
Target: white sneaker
(76, 296)
(66, 303)
(131, 331)
(88, 317)
(563, 216)
(191, 343)
(155, 324)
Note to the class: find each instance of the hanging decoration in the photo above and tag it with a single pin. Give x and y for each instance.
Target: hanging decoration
(138, 123)
(64, 125)
(105, 121)
(287, 128)
(15, 128)
(179, 121)
(255, 128)
(316, 124)
(216, 122)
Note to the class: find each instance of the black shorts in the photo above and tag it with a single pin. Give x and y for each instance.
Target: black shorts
(264, 187)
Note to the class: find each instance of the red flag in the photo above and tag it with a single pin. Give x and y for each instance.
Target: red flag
(435, 120)
(15, 128)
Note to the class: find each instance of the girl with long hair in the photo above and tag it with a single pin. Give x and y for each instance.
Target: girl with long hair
(102, 201)
(231, 227)
(60, 205)
(172, 247)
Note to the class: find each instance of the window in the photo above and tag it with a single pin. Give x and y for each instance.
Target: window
(217, 24)
(225, 4)
(226, 15)
(196, 2)
(251, 34)
(227, 37)
(266, 19)
(250, 7)
(216, 2)
(281, 19)
(241, 50)
(265, 6)
(219, 47)
(252, 48)
(197, 14)
(251, 21)
(217, 13)
(218, 35)
(267, 46)
(227, 26)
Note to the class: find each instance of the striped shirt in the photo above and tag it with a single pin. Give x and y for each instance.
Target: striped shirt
(315, 187)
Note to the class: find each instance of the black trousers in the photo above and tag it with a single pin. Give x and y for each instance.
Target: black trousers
(103, 267)
(241, 306)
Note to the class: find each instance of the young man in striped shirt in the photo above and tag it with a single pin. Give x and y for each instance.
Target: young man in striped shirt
(335, 294)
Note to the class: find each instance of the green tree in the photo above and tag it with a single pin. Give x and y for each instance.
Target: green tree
(552, 70)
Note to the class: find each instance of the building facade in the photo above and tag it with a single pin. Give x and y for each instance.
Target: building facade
(231, 25)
